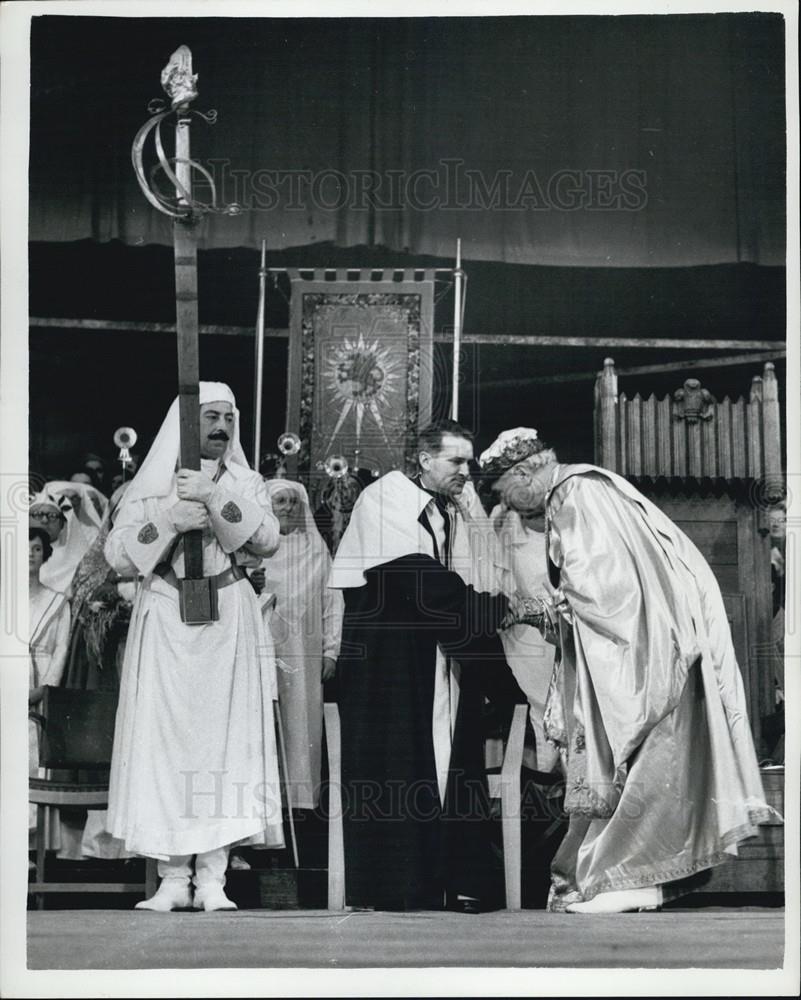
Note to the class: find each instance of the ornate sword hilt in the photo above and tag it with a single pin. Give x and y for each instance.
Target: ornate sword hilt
(179, 83)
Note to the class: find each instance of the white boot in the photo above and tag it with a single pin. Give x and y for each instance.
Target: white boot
(175, 891)
(209, 881)
(212, 897)
(172, 894)
(621, 901)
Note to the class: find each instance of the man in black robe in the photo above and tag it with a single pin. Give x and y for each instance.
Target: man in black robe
(419, 653)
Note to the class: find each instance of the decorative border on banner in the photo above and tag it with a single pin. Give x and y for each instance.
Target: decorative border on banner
(411, 305)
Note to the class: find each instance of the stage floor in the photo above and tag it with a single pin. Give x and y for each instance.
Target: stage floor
(713, 937)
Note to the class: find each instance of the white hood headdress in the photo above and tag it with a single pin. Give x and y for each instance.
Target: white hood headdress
(80, 529)
(155, 476)
(296, 568)
(92, 506)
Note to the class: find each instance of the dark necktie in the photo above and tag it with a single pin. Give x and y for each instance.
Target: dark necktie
(442, 507)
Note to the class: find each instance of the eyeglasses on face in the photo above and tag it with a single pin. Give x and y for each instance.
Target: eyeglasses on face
(42, 516)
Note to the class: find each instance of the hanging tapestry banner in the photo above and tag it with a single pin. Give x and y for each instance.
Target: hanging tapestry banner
(360, 369)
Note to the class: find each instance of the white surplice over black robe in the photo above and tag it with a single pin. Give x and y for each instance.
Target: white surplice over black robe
(419, 651)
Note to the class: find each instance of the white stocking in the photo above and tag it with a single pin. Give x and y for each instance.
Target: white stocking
(210, 867)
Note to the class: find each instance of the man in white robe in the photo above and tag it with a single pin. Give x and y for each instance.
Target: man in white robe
(194, 768)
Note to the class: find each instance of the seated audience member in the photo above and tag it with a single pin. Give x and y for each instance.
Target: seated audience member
(646, 704)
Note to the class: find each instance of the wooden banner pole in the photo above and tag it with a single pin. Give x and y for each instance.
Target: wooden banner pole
(457, 330)
(259, 359)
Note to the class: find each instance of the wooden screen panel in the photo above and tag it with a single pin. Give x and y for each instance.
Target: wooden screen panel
(688, 433)
(725, 530)
(716, 540)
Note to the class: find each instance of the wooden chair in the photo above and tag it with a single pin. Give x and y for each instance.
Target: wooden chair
(508, 791)
(336, 838)
(76, 731)
(507, 788)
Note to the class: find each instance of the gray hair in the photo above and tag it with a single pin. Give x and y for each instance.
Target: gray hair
(544, 457)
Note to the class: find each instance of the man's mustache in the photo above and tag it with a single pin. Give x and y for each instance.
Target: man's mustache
(218, 436)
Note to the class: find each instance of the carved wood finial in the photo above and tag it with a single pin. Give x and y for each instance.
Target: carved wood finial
(694, 403)
(177, 78)
(770, 385)
(607, 377)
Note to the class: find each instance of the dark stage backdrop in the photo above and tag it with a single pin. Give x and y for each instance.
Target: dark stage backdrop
(85, 384)
(648, 141)
(608, 176)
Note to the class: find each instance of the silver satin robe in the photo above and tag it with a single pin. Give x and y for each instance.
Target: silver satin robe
(646, 703)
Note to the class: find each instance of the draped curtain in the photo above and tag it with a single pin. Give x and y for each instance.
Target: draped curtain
(647, 141)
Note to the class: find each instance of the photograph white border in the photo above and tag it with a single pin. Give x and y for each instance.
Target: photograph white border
(15, 979)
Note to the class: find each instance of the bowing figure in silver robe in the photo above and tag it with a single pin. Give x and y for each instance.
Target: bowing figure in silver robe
(646, 703)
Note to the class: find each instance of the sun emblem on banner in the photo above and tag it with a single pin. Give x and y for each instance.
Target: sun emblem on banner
(362, 376)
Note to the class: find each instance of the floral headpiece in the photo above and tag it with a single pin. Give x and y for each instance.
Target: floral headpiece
(511, 447)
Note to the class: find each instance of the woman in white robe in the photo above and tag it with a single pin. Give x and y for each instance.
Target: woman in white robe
(49, 623)
(80, 509)
(306, 623)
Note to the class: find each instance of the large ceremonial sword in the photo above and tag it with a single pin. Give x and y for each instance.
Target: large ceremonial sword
(198, 593)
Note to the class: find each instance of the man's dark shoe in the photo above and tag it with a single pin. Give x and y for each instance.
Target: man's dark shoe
(464, 904)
